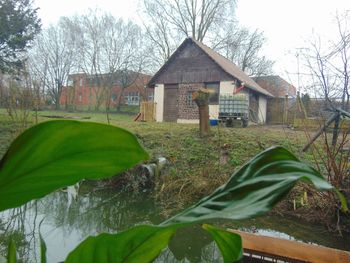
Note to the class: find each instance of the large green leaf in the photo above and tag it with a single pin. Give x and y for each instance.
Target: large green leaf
(11, 252)
(250, 192)
(60, 153)
(136, 245)
(42, 249)
(254, 189)
(56, 154)
(230, 244)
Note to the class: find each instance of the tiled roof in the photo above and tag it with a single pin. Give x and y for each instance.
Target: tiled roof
(276, 85)
(230, 68)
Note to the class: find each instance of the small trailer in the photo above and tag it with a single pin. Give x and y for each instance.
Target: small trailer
(234, 108)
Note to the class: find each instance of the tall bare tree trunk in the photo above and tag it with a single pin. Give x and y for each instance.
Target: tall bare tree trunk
(201, 98)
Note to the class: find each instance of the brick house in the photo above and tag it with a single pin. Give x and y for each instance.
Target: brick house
(192, 66)
(86, 90)
(284, 97)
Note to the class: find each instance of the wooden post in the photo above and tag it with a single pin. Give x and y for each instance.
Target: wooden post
(201, 97)
(336, 130)
(285, 115)
(321, 130)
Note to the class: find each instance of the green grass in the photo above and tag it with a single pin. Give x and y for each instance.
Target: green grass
(196, 166)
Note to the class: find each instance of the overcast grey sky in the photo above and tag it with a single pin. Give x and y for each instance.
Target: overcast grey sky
(287, 24)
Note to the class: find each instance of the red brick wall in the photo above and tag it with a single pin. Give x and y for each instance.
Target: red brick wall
(186, 111)
(85, 95)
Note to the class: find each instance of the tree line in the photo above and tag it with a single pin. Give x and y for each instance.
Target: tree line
(101, 45)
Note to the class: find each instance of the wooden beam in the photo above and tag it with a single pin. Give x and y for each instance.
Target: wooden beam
(343, 112)
(321, 130)
(292, 250)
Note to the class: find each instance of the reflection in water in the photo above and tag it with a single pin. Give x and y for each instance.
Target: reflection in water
(66, 221)
(14, 224)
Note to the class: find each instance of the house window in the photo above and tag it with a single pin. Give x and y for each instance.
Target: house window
(189, 99)
(133, 98)
(81, 82)
(213, 97)
(151, 97)
(80, 97)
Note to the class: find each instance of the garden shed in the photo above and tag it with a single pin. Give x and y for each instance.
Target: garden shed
(284, 98)
(192, 66)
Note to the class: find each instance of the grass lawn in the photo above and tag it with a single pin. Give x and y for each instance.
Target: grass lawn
(196, 166)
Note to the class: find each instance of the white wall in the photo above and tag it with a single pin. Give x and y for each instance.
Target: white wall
(227, 87)
(213, 112)
(159, 99)
(262, 108)
(196, 121)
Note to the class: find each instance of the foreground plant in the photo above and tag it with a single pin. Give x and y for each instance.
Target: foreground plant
(55, 154)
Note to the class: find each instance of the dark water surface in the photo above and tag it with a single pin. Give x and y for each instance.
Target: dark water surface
(65, 221)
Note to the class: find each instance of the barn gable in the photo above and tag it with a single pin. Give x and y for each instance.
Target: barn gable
(189, 64)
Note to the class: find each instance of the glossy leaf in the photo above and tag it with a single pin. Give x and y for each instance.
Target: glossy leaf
(56, 154)
(254, 189)
(136, 245)
(11, 252)
(230, 244)
(250, 192)
(42, 250)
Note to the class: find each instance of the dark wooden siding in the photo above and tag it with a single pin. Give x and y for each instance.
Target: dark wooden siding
(192, 65)
(171, 105)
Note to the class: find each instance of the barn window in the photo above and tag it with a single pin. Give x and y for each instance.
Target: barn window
(189, 99)
(214, 97)
(133, 98)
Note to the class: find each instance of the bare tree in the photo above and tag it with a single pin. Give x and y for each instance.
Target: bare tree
(168, 22)
(123, 53)
(110, 50)
(206, 21)
(193, 18)
(90, 29)
(159, 32)
(243, 47)
(52, 59)
(18, 98)
(328, 63)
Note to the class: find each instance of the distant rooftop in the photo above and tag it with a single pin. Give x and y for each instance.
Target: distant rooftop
(276, 85)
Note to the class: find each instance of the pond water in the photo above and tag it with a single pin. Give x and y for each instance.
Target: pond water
(65, 221)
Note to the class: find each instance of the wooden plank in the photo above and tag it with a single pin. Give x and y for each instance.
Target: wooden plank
(292, 250)
(147, 111)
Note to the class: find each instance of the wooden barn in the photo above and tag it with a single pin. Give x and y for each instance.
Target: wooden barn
(192, 66)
